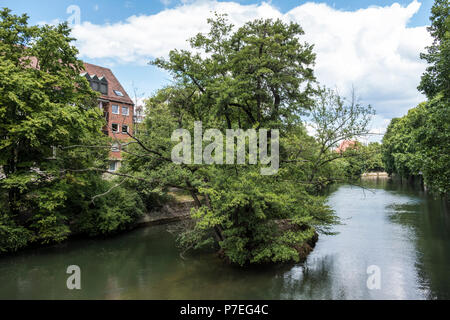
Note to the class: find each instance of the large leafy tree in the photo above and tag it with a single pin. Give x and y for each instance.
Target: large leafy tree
(436, 79)
(433, 144)
(400, 148)
(256, 76)
(434, 138)
(48, 119)
(419, 143)
(250, 77)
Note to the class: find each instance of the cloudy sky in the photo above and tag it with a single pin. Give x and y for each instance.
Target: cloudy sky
(371, 45)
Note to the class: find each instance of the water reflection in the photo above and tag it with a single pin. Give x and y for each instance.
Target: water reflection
(429, 223)
(399, 229)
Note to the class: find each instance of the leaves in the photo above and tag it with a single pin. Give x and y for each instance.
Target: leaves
(46, 108)
(256, 76)
(419, 143)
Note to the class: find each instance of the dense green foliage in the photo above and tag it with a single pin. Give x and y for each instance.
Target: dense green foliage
(419, 143)
(53, 155)
(257, 76)
(373, 158)
(400, 149)
(48, 119)
(436, 79)
(360, 159)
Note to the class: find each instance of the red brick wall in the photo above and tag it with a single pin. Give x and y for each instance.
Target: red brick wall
(120, 120)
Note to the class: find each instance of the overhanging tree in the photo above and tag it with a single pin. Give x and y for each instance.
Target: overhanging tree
(48, 118)
(256, 76)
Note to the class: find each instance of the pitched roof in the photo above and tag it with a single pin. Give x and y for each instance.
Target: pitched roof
(113, 83)
(345, 145)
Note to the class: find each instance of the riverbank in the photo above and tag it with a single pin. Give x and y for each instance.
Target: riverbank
(180, 210)
(375, 175)
(176, 210)
(168, 213)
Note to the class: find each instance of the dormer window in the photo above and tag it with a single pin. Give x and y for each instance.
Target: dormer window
(103, 85)
(95, 85)
(104, 88)
(118, 93)
(98, 84)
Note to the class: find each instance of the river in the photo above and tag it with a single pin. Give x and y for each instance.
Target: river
(401, 232)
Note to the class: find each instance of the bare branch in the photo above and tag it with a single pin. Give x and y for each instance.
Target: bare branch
(107, 192)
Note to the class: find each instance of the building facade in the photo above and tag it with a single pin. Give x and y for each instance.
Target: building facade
(117, 107)
(345, 145)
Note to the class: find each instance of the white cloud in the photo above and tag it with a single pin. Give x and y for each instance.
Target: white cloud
(371, 49)
(165, 2)
(142, 37)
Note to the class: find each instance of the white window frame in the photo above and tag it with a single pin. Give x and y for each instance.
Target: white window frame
(128, 111)
(115, 147)
(128, 128)
(118, 128)
(112, 109)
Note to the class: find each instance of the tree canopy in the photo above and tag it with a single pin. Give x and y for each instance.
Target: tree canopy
(49, 118)
(419, 143)
(258, 76)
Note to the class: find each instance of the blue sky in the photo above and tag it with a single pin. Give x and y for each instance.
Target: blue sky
(110, 11)
(376, 50)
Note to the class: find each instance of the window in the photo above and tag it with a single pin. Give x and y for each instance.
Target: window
(103, 88)
(118, 93)
(115, 147)
(113, 166)
(115, 109)
(115, 127)
(124, 129)
(95, 85)
(125, 111)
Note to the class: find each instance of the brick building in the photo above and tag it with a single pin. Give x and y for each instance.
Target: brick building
(345, 145)
(117, 107)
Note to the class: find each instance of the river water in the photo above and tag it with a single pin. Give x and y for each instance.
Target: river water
(400, 234)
